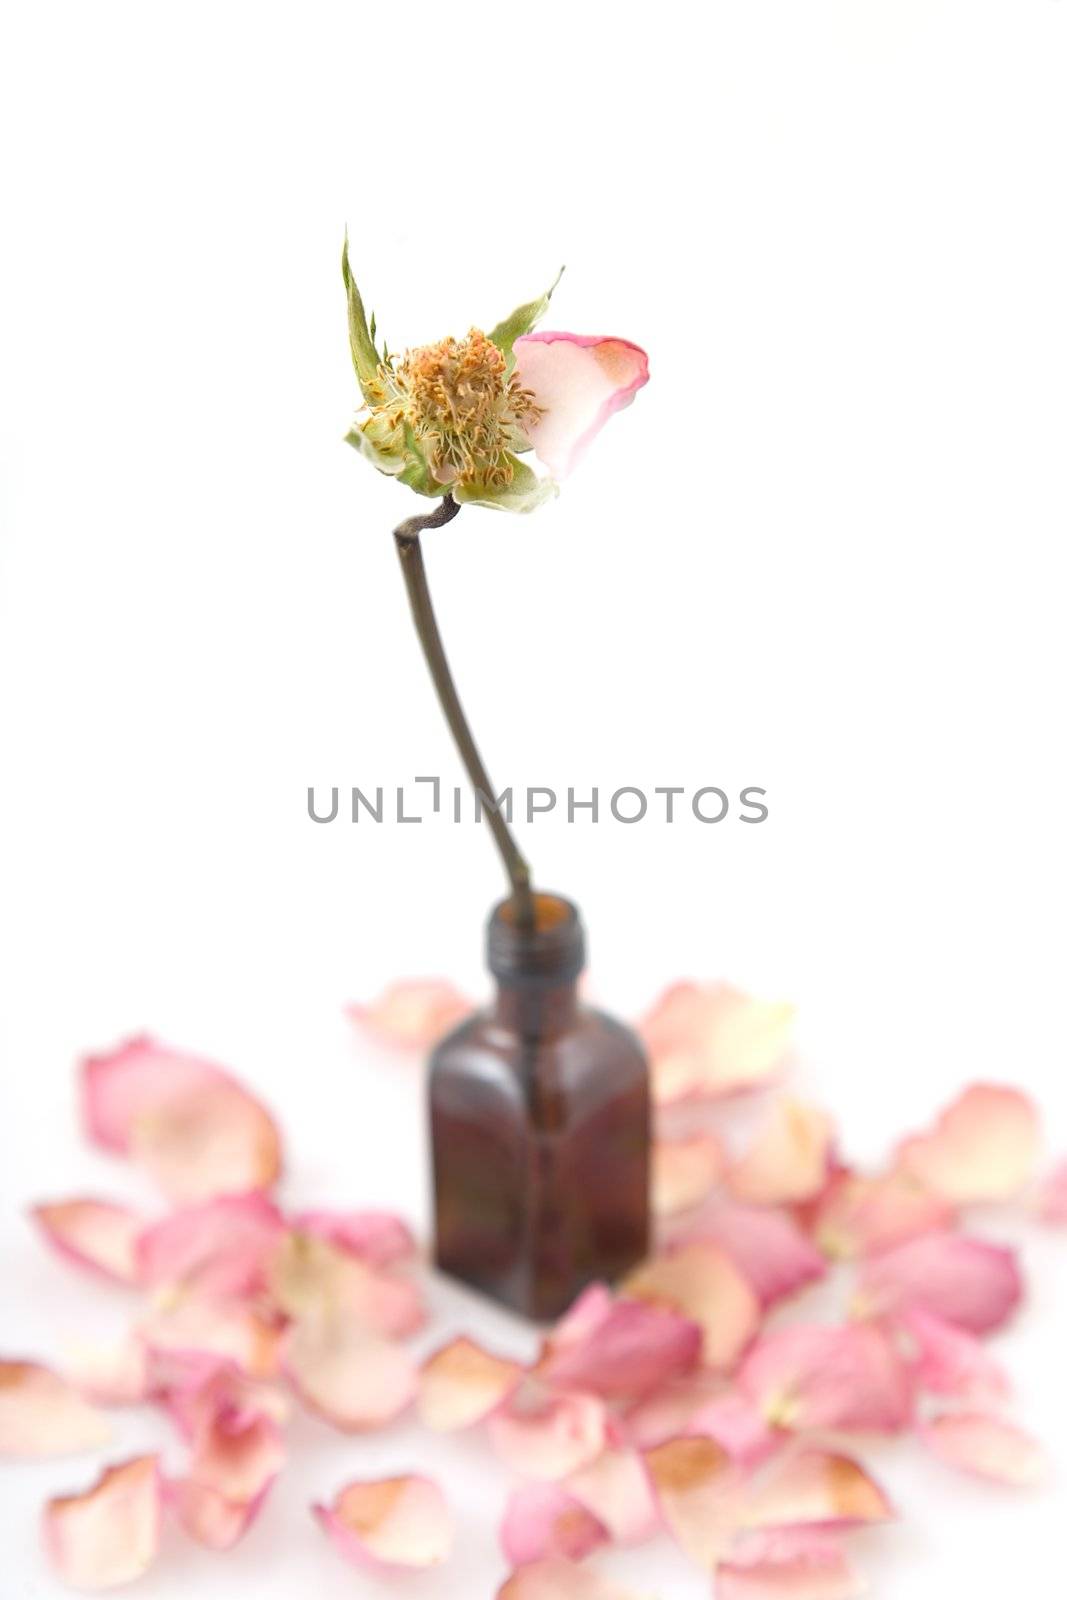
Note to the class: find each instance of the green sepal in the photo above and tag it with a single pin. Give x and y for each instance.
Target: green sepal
(521, 321)
(365, 357)
(525, 492)
(392, 463)
(417, 474)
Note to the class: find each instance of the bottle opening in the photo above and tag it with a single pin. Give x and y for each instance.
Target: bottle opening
(552, 950)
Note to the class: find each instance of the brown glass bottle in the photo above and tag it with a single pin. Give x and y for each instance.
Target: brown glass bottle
(540, 1126)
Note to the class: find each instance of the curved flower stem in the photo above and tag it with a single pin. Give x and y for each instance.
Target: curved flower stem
(409, 549)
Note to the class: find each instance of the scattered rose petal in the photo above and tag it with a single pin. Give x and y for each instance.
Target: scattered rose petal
(857, 1216)
(42, 1415)
(559, 1579)
(209, 1517)
(697, 1487)
(684, 1171)
(617, 1490)
(789, 1157)
(789, 1564)
(623, 1349)
(766, 1247)
(376, 1237)
(222, 1248)
(983, 1147)
(948, 1360)
(93, 1233)
(197, 1389)
(216, 1328)
(414, 1013)
(816, 1488)
(392, 1522)
(542, 1519)
(665, 1413)
(461, 1384)
(192, 1125)
(713, 1041)
(701, 1282)
(114, 1375)
(847, 1377)
(965, 1281)
(985, 1446)
(353, 1379)
(110, 1534)
(733, 1421)
(1052, 1196)
(547, 1435)
(310, 1278)
(578, 381)
(237, 1453)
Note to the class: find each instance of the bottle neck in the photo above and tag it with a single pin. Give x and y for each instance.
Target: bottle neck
(537, 1010)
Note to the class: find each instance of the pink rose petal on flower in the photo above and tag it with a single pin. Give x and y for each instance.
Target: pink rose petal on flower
(766, 1247)
(857, 1216)
(192, 1125)
(697, 1486)
(702, 1283)
(221, 1249)
(542, 1519)
(214, 1328)
(93, 1233)
(617, 1490)
(713, 1041)
(42, 1415)
(965, 1281)
(847, 1377)
(414, 1013)
(948, 1360)
(684, 1171)
(558, 1579)
(789, 1564)
(542, 1434)
(816, 1488)
(391, 1522)
(987, 1447)
(789, 1157)
(983, 1147)
(579, 380)
(110, 1534)
(353, 1379)
(627, 1348)
(376, 1237)
(461, 1384)
(209, 1517)
(1052, 1196)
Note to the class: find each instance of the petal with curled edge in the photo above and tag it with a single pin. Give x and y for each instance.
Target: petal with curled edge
(543, 1519)
(789, 1158)
(558, 1579)
(711, 1040)
(788, 1564)
(353, 1379)
(413, 1013)
(966, 1281)
(698, 1489)
(93, 1233)
(221, 1248)
(987, 1447)
(546, 1435)
(858, 1215)
(390, 1522)
(816, 1488)
(110, 1534)
(377, 1237)
(461, 1383)
(623, 1348)
(809, 1376)
(765, 1245)
(949, 1360)
(41, 1414)
(684, 1171)
(579, 381)
(209, 1517)
(702, 1283)
(983, 1147)
(194, 1128)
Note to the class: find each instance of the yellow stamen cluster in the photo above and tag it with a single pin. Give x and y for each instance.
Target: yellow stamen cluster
(463, 409)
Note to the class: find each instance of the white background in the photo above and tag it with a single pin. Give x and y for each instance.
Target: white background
(821, 553)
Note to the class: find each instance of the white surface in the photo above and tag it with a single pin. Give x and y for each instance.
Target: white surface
(831, 527)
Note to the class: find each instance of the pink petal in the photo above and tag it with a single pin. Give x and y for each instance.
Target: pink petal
(789, 1158)
(617, 1490)
(766, 1247)
(734, 1422)
(580, 380)
(633, 1347)
(197, 1390)
(41, 1415)
(353, 1379)
(217, 1329)
(114, 1375)
(816, 1488)
(542, 1519)
(312, 1278)
(461, 1384)
(237, 1454)
(857, 1216)
(209, 1517)
(544, 1435)
(413, 1014)
(697, 1487)
(684, 1171)
(804, 1377)
(703, 1406)
(790, 1564)
(559, 1579)
(987, 1447)
(965, 1281)
(376, 1237)
(193, 1126)
(713, 1041)
(221, 1248)
(1052, 1196)
(93, 1233)
(702, 1283)
(948, 1360)
(983, 1147)
(392, 1522)
(110, 1534)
